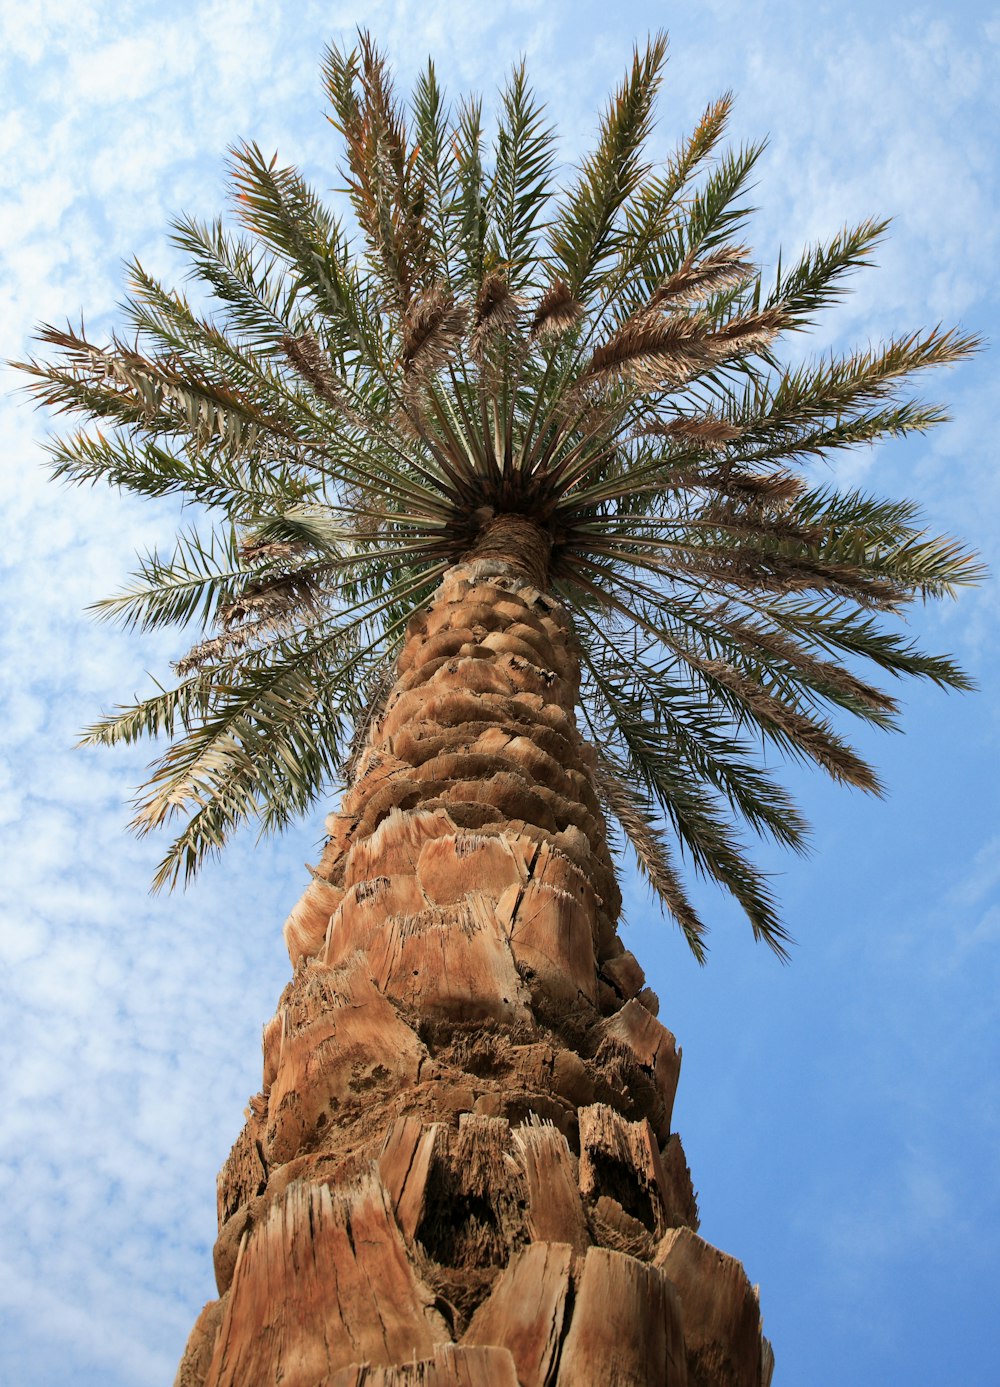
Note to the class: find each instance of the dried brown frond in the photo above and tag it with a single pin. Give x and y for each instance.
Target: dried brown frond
(557, 311)
(747, 332)
(773, 488)
(726, 268)
(705, 429)
(432, 327)
(209, 651)
(408, 421)
(583, 409)
(758, 569)
(275, 600)
(652, 351)
(264, 551)
(360, 522)
(81, 355)
(663, 353)
(312, 363)
(749, 515)
(113, 367)
(495, 312)
(261, 609)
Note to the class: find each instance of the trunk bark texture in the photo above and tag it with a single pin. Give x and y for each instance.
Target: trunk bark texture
(460, 1170)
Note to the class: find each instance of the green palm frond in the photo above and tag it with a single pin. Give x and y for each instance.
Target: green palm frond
(816, 279)
(435, 169)
(383, 178)
(602, 356)
(518, 196)
(585, 228)
(193, 585)
(279, 207)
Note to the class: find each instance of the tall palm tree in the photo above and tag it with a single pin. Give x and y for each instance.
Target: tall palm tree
(510, 532)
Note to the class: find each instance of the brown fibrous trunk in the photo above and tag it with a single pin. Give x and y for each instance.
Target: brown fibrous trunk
(460, 1168)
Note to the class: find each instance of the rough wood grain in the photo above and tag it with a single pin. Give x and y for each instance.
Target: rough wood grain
(395, 845)
(200, 1346)
(364, 908)
(620, 1159)
(405, 1165)
(324, 1280)
(555, 1212)
(451, 1366)
(270, 1044)
(679, 1199)
(766, 1362)
(244, 1174)
(524, 1311)
(450, 961)
(568, 865)
(341, 1038)
(624, 974)
(719, 1311)
(626, 1327)
(635, 1034)
(648, 998)
(305, 928)
(550, 935)
(475, 1204)
(612, 1227)
(449, 867)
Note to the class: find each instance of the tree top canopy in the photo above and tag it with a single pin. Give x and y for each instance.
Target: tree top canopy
(478, 336)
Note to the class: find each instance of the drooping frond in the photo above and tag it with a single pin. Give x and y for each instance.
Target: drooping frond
(638, 820)
(599, 354)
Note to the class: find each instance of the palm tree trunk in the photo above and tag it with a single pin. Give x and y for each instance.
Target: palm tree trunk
(460, 1167)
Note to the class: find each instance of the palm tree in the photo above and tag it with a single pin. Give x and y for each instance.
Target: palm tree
(510, 532)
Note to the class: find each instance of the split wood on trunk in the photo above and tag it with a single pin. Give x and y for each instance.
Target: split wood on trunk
(460, 1167)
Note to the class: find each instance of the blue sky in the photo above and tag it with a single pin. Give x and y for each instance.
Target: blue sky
(841, 1115)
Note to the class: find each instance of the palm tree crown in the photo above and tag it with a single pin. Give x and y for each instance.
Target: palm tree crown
(599, 358)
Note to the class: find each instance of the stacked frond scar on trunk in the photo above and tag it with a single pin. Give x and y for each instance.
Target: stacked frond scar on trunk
(467, 1094)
